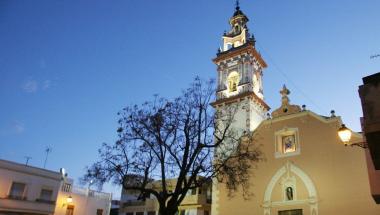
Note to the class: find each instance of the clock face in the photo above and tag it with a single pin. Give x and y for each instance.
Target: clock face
(289, 143)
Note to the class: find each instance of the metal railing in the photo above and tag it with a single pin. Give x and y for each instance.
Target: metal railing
(45, 201)
(133, 203)
(15, 197)
(68, 188)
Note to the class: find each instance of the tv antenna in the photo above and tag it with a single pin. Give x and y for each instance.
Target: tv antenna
(47, 150)
(27, 160)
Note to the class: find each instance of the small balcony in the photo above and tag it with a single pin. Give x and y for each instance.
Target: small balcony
(23, 205)
(22, 198)
(133, 203)
(46, 201)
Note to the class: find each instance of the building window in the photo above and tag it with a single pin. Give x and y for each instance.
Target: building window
(229, 46)
(17, 191)
(206, 213)
(129, 213)
(287, 142)
(151, 213)
(99, 212)
(233, 81)
(139, 213)
(46, 196)
(194, 191)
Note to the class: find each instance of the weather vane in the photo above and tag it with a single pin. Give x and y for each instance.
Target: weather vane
(237, 3)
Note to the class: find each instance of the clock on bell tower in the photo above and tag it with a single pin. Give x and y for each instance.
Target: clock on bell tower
(240, 70)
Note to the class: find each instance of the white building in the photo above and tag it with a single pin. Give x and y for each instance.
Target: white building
(74, 200)
(27, 190)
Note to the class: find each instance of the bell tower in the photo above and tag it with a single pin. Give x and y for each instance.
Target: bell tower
(240, 70)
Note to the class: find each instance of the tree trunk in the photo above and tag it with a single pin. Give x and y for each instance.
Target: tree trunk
(164, 210)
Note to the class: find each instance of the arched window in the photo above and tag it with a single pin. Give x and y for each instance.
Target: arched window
(233, 81)
(289, 193)
(237, 28)
(229, 46)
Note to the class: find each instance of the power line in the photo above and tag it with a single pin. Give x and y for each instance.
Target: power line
(278, 69)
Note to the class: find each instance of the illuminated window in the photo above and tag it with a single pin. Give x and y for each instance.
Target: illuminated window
(233, 81)
(237, 29)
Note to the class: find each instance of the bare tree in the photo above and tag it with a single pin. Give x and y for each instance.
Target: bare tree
(182, 138)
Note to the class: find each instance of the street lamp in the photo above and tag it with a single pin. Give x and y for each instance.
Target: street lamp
(345, 136)
(69, 200)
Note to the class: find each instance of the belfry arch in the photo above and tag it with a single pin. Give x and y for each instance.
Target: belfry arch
(283, 173)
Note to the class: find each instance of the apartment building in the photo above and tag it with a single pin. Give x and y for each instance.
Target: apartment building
(197, 202)
(27, 190)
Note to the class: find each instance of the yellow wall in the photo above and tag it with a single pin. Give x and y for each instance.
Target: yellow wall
(338, 173)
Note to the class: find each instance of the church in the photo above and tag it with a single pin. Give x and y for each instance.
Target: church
(307, 170)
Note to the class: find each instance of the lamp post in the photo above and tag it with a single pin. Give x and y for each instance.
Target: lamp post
(345, 136)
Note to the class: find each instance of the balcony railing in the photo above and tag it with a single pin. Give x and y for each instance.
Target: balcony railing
(23, 198)
(242, 88)
(86, 192)
(133, 203)
(45, 201)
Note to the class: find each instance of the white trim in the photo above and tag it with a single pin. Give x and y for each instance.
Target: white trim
(288, 168)
(279, 144)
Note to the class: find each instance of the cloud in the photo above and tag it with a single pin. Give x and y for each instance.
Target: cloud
(16, 127)
(46, 84)
(30, 86)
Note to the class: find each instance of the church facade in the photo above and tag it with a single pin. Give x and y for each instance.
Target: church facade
(307, 171)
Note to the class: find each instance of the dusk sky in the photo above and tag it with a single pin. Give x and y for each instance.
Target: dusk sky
(67, 67)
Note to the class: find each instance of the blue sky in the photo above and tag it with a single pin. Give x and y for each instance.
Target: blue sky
(67, 67)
